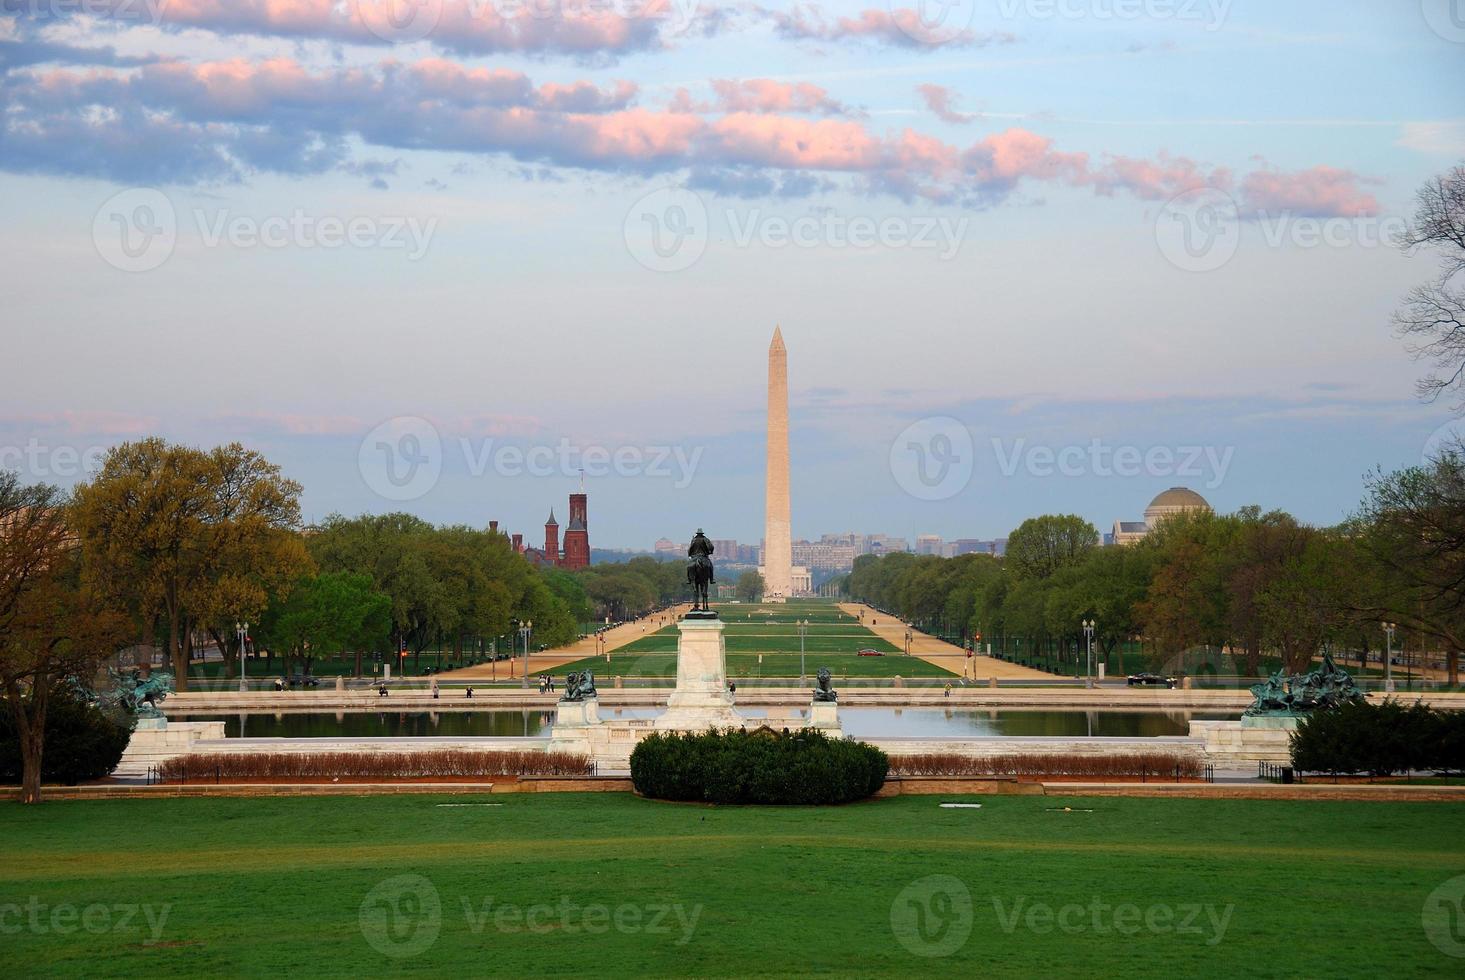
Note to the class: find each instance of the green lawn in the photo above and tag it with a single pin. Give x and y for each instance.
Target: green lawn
(611, 885)
(631, 664)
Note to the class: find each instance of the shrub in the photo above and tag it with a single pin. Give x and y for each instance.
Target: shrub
(1143, 764)
(82, 741)
(1379, 739)
(761, 767)
(445, 763)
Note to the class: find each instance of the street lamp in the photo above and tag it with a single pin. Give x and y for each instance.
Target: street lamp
(803, 628)
(242, 629)
(1088, 632)
(1389, 656)
(525, 632)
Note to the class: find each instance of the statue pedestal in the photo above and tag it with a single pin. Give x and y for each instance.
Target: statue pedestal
(576, 714)
(701, 699)
(158, 724)
(824, 715)
(1284, 722)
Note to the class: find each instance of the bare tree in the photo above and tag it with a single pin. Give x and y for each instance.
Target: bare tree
(1432, 320)
(51, 628)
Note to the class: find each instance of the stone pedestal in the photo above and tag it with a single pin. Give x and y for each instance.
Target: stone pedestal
(576, 714)
(824, 715)
(1243, 743)
(701, 699)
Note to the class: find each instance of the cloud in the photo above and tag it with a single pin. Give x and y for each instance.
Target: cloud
(176, 122)
(941, 101)
(898, 27)
(1444, 138)
(20, 52)
(762, 95)
(586, 30)
(1321, 192)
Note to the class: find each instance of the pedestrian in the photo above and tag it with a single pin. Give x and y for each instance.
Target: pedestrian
(434, 689)
(470, 693)
(948, 690)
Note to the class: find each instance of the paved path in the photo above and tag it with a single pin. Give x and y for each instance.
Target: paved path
(945, 655)
(545, 661)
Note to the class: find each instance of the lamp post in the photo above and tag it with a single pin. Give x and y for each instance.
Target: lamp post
(1389, 656)
(803, 628)
(525, 632)
(1088, 632)
(242, 629)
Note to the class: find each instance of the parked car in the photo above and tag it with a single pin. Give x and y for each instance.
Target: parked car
(303, 680)
(1150, 680)
(867, 652)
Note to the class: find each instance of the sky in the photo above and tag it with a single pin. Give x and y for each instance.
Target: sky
(442, 256)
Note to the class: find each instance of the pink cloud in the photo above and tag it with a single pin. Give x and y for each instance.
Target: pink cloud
(226, 118)
(898, 26)
(1322, 192)
(942, 102)
(464, 26)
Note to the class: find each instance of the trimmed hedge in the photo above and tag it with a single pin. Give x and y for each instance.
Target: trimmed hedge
(83, 742)
(1142, 764)
(442, 763)
(1380, 739)
(760, 767)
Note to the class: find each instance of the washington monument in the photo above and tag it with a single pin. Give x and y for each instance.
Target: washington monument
(777, 540)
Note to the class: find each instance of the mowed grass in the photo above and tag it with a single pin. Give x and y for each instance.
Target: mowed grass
(612, 885)
(627, 663)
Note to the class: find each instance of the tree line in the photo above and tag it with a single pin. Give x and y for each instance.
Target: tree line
(1257, 586)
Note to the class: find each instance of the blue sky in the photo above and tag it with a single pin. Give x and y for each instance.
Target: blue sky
(1072, 228)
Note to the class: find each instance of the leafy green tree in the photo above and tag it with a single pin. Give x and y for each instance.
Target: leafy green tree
(329, 613)
(750, 586)
(1042, 545)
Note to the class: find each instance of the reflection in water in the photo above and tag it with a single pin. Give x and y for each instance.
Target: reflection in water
(866, 722)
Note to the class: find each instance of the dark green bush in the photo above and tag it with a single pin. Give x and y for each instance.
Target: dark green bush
(1380, 739)
(82, 742)
(762, 767)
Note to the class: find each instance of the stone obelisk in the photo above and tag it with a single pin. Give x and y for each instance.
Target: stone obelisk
(777, 540)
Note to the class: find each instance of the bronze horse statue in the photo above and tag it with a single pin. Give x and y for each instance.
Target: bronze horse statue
(699, 570)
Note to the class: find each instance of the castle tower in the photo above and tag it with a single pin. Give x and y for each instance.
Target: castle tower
(777, 537)
(552, 539)
(577, 534)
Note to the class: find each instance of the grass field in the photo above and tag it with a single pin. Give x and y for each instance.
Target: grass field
(773, 665)
(611, 885)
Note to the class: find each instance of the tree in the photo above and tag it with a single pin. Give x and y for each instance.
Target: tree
(750, 586)
(1432, 319)
(333, 612)
(52, 627)
(198, 538)
(1413, 526)
(1042, 545)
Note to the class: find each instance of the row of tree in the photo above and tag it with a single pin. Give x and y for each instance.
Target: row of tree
(1255, 585)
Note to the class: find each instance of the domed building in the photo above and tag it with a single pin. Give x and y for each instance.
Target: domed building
(1176, 500)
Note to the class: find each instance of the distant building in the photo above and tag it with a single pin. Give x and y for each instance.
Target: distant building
(824, 555)
(928, 544)
(576, 552)
(666, 546)
(1176, 500)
